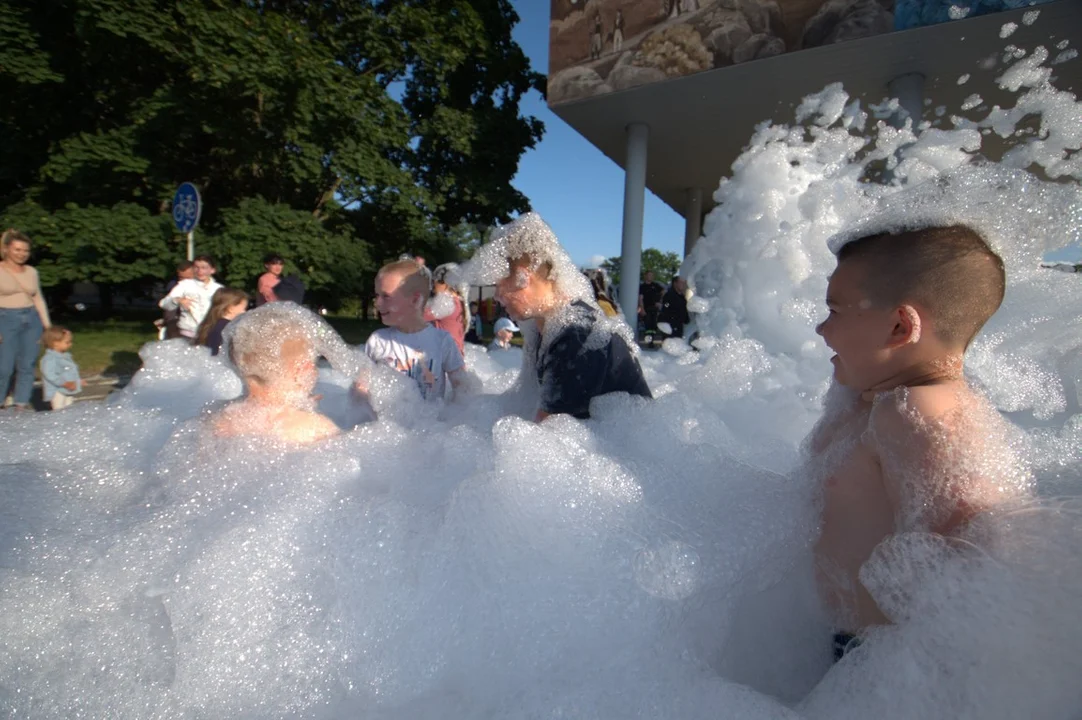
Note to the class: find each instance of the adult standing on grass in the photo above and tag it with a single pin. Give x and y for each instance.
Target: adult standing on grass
(193, 297)
(273, 264)
(23, 317)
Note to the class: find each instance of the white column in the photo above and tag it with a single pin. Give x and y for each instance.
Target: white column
(634, 199)
(909, 90)
(693, 219)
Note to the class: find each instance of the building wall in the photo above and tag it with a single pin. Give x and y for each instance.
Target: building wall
(600, 46)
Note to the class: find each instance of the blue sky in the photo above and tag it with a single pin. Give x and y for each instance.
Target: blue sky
(578, 190)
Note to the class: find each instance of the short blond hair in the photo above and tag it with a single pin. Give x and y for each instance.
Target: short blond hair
(414, 278)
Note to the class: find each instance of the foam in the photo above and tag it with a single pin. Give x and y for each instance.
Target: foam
(459, 561)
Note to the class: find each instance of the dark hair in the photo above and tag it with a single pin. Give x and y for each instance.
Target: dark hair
(270, 258)
(184, 265)
(207, 259)
(950, 271)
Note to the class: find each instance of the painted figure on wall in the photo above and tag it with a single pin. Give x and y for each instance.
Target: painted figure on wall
(596, 37)
(618, 32)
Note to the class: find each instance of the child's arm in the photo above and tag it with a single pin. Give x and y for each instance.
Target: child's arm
(169, 302)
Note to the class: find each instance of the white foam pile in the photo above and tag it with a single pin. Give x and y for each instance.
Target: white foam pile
(653, 561)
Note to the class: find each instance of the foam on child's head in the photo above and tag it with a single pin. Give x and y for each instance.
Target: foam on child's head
(528, 238)
(267, 342)
(414, 277)
(949, 271)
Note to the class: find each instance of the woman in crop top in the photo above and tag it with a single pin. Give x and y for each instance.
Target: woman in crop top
(23, 317)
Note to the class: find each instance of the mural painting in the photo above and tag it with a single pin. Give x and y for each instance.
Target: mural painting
(599, 46)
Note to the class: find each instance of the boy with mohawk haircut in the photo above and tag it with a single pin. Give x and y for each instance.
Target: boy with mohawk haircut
(911, 447)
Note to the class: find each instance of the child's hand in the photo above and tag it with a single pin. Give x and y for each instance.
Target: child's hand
(185, 302)
(70, 386)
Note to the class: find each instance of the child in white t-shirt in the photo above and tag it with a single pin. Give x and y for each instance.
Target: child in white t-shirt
(408, 343)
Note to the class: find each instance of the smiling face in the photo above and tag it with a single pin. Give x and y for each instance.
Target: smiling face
(17, 251)
(398, 300)
(855, 330)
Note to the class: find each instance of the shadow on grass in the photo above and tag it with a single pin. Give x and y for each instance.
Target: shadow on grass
(124, 363)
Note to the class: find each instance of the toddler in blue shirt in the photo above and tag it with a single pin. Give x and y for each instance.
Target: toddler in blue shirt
(59, 373)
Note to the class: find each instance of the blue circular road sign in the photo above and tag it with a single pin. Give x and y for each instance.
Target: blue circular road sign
(187, 207)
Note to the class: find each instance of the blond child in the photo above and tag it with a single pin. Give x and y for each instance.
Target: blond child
(910, 447)
(275, 358)
(409, 343)
(59, 374)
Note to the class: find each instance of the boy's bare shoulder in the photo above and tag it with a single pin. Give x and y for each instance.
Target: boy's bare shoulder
(304, 426)
(919, 408)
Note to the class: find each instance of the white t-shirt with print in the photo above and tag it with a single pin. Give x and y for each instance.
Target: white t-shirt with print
(426, 356)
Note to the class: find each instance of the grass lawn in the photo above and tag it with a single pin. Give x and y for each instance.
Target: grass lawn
(109, 346)
(112, 346)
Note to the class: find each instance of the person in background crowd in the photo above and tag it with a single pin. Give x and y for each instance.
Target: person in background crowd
(457, 320)
(505, 330)
(674, 308)
(227, 304)
(597, 282)
(23, 317)
(476, 331)
(650, 294)
(193, 297)
(167, 324)
(273, 264)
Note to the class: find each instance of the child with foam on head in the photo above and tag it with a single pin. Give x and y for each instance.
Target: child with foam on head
(60, 380)
(409, 344)
(274, 352)
(572, 351)
(905, 445)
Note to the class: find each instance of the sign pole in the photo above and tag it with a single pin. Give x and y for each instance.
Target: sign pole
(191, 245)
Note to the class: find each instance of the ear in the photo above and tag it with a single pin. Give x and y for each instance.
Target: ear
(907, 327)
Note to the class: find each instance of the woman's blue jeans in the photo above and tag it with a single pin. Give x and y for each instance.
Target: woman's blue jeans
(20, 331)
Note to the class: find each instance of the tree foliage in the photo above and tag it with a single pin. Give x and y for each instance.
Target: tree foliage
(664, 265)
(386, 123)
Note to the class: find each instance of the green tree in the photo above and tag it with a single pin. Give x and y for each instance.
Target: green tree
(389, 123)
(321, 253)
(119, 248)
(664, 265)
